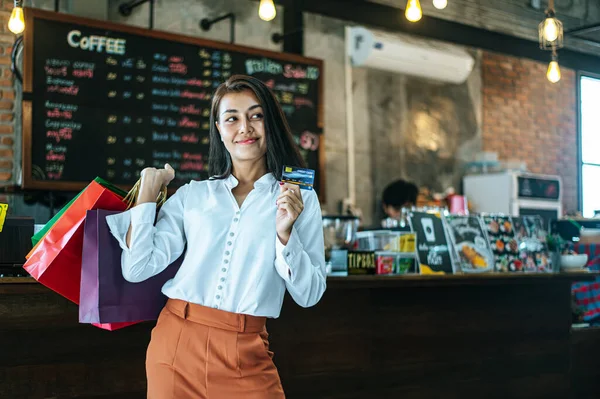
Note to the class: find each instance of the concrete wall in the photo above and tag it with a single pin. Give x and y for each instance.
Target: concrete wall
(405, 127)
(420, 130)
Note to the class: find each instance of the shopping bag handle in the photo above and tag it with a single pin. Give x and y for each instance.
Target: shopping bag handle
(131, 196)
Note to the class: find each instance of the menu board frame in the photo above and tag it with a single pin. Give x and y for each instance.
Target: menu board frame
(28, 182)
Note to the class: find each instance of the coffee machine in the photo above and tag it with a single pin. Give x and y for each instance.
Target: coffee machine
(339, 233)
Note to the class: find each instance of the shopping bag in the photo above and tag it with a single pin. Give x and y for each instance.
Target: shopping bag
(106, 297)
(113, 326)
(56, 262)
(37, 237)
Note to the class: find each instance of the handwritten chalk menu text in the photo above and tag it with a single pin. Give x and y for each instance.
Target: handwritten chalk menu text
(109, 100)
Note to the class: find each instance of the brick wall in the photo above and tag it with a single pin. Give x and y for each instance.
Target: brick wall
(7, 96)
(526, 117)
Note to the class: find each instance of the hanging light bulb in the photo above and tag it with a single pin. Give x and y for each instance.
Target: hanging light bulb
(553, 73)
(550, 29)
(266, 10)
(413, 10)
(440, 4)
(16, 23)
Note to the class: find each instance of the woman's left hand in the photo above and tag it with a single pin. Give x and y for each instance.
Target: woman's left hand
(289, 207)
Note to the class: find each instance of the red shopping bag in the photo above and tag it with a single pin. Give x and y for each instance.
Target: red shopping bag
(114, 326)
(56, 262)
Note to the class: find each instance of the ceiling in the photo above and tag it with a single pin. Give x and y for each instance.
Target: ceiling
(520, 18)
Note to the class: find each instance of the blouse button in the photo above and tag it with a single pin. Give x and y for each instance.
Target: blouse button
(228, 242)
(223, 270)
(218, 297)
(231, 234)
(225, 261)
(220, 287)
(227, 253)
(237, 213)
(222, 279)
(236, 219)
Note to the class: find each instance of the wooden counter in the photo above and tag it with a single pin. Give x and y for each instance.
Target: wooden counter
(585, 373)
(462, 336)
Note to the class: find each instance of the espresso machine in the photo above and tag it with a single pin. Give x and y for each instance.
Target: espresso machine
(339, 233)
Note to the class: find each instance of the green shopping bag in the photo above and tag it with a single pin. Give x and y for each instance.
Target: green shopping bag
(40, 234)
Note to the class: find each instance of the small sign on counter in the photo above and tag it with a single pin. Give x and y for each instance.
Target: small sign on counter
(501, 236)
(432, 245)
(471, 247)
(361, 262)
(3, 212)
(533, 250)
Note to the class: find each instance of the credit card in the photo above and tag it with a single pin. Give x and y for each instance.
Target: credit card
(305, 178)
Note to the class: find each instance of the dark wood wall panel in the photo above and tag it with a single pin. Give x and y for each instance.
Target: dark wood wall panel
(586, 363)
(47, 354)
(501, 341)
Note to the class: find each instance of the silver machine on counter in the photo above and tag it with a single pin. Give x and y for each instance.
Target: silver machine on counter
(515, 193)
(339, 233)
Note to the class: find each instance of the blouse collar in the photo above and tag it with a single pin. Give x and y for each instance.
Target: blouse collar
(266, 181)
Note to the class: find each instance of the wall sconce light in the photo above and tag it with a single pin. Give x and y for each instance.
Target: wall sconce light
(125, 10)
(206, 24)
(279, 38)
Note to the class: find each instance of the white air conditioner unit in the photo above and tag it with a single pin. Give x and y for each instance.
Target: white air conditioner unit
(408, 55)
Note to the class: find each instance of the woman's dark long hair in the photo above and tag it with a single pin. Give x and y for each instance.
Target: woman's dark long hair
(281, 148)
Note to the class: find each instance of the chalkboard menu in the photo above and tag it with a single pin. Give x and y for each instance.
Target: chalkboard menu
(108, 100)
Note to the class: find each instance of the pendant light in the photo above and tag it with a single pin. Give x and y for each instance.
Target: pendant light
(553, 73)
(16, 23)
(550, 30)
(440, 4)
(266, 10)
(413, 10)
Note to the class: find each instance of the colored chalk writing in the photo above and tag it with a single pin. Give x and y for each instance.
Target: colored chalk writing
(110, 103)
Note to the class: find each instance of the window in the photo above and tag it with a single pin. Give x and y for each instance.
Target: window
(590, 144)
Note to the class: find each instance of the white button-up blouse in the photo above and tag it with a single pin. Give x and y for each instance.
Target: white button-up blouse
(234, 260)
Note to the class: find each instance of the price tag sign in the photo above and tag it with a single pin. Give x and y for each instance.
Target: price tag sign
(3, 212)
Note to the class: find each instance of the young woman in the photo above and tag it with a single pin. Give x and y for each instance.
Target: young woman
(247, 239)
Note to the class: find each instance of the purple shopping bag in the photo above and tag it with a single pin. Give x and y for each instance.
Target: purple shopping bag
(105, 296)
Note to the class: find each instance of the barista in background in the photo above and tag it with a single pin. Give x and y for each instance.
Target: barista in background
(397, 195)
